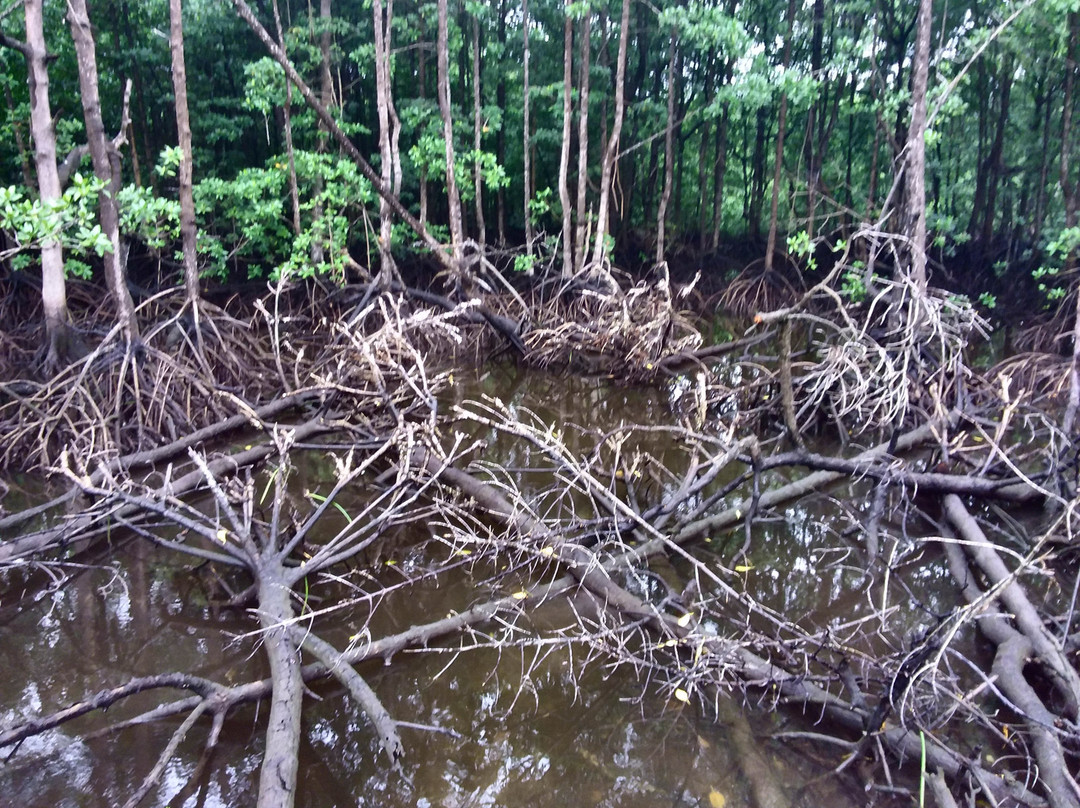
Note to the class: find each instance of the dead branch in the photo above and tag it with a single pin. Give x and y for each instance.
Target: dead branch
(1013, 649)
(360, 690)
(1030, 623)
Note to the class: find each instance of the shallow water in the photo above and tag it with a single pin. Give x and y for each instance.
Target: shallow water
(530, 725)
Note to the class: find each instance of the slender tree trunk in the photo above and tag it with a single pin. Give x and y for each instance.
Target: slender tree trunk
(703, 160)
(669, 130)
(585, 53)
(720, 172)
(564, 155)
(326, 97)
(53, 287)
(290, 155)
(611, 153)
(102, 156)
(757, 178)
(20, 142)
(1071, 194)
(994, 160)
(183, 128)
(500, 102)
(1044, 168)
(422, 80)
(140, 96)
(914, 214)
(382, 93)
(443, 60)
(781, 131)
(478, 123)
(526, 134)
(813, 151)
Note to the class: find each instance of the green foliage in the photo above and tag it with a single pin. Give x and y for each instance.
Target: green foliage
(246, 220)
(800, 244)
(71, 220)
(152, 219)
(853, 286)
(524, 264)
(1060, 247)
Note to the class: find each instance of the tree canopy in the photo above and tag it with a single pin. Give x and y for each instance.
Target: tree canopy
(998, 168)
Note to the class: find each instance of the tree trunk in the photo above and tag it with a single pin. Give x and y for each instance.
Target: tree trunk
(1044, 167)
(526, 144)
(61, 341)
(564, 154)
(443, 58)
(102, 155)
(20, 142)
(500, 102)
(611, 153)
(387, 273)
(665, 196)
(757, 179)
(781, 130)
(277, 777)
(814, 151)
(1069, 190)
(914, 214)
(720, 171)
(326, 97)
(478, 114)
(994, 162)
(183, 128)
(585, 53)
(290, 155)
(421, 78)
(703, 159)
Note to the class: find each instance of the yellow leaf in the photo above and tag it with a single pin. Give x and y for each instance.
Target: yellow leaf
(391, 563)
(744, 568)
(716, 799)
(682, 695)
(548, 552)
(521, 595)
(704, 744)
(464, 552)
(684, 621)
(222, 535)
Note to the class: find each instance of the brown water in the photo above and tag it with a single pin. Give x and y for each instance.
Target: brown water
(528, 726)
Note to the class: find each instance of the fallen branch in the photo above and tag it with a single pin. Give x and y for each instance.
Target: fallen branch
(1062, 673)
(1013, 649)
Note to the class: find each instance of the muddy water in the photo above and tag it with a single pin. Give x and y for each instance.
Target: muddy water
(530, 726)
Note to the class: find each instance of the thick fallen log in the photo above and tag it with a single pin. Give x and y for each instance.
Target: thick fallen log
(1064, 676)
(1013, 650)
